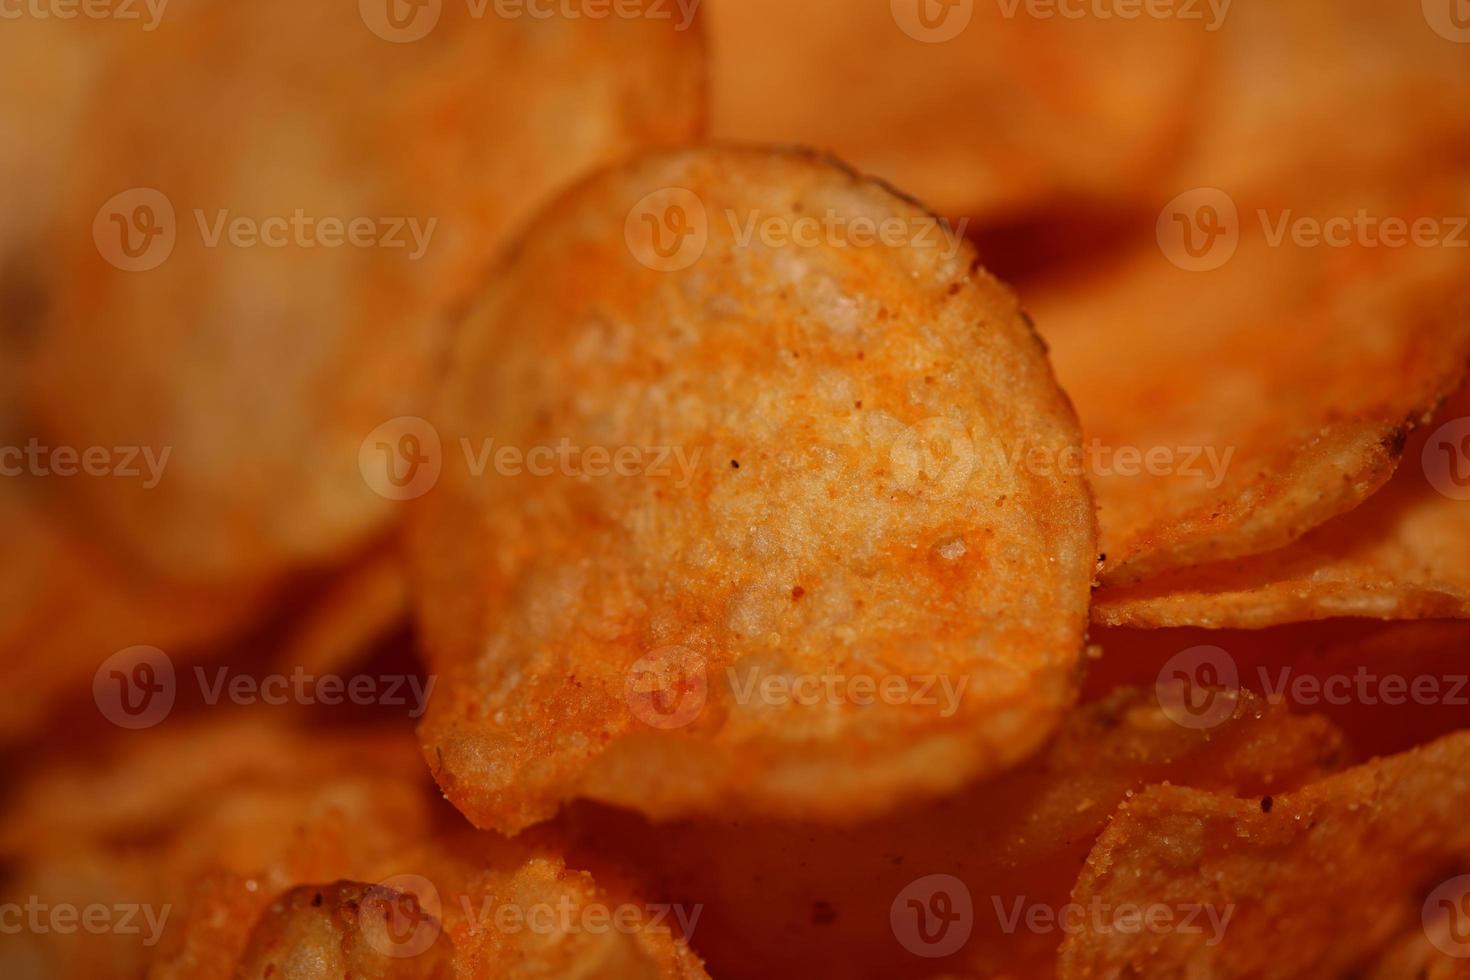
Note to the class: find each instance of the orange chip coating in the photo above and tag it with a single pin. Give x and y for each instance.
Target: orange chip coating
(283, 206)
(1230, 408)
(802, 900)
(1399, 555)
(993, 115)
(1308, 884)
(807, 583)
(220, 828)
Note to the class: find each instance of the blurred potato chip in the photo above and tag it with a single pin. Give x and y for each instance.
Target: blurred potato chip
(801, 900)
(1302, 93)
(222, 830)
(282, 206)
(1312, 883)
(977, 113)
(1231, 407)
(814, 589)
(362, 606)
(1399, 555)
(67, 605)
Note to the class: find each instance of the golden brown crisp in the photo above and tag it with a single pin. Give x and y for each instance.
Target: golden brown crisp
(1399, 555)
(1230, 410)
(842, 562)
(1314, 885)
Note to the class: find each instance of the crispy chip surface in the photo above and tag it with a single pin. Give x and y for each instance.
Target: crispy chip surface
(813, 589)
(1229, 410)
(1314, 885)
(291, 204)
(1399, 555)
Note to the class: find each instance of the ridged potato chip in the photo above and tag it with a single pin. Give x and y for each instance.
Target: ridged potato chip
(1399, 555)
(1313, 883)
(763, 505)
(283, 205)
(994, 115)
(800, 900)
(1230, 408)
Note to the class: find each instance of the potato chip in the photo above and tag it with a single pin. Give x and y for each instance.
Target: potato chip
(1305, 92)
(1312, 883)
(282, 206)
(1387, 686)
(745, 534)
(67, 605)
(364, 605)
(1425, 953)
(802, 900)
(978, 113)
(1231, 407)
(226, 839)
(1399, 555)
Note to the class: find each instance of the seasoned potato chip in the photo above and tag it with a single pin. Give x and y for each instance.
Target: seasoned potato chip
(800, 900)
(808, 583)
(1426, 952)
(222, 830)
(1387, 686)
(977, 113)
(1233, 408)
(1399, 555)
(1312, 883)
(291, 204)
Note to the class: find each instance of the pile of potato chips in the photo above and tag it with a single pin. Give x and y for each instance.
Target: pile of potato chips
(739, 489)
